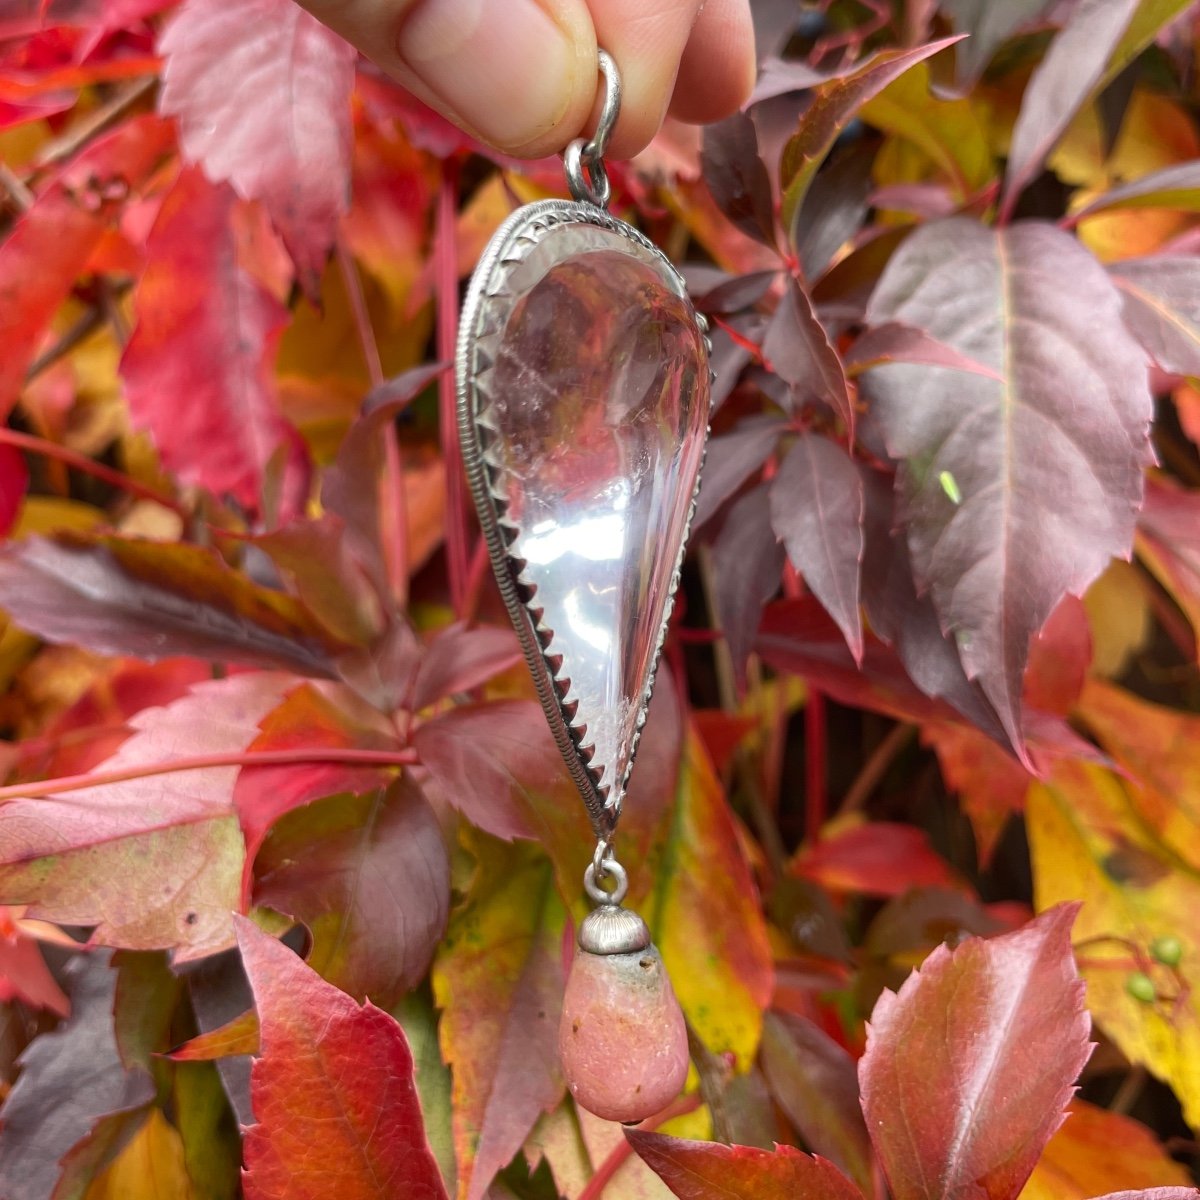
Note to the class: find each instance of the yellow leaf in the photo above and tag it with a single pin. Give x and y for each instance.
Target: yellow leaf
(1087, 843)
(1097, 1152)
(1119, 616)
(950, 132)
(705, 914)
(151, 1167)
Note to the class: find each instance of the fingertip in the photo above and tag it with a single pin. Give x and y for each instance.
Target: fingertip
(719, 65)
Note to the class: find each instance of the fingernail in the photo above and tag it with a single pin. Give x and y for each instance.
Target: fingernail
(502, 66)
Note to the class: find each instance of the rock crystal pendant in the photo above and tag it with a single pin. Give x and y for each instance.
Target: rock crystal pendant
(583, 403)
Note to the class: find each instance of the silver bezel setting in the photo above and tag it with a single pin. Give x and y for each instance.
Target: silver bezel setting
(480, 327)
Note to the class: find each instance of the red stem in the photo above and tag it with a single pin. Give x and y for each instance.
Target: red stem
(203, 762)
(623, 1150)
(394, 514)
(81, 462)
(446, 273)
(815, 784)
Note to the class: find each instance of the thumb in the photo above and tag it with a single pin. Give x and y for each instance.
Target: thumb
(518, 74)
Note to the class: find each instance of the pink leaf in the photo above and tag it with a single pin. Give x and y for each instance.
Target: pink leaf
(262, 93)
(969, 1066)
(198, 367)
(153, 862)
(332, 1088)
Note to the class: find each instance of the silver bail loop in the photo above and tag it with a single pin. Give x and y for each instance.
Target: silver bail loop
(583, 160)
(603, 865)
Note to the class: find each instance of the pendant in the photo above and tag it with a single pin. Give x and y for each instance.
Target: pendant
(583, 403)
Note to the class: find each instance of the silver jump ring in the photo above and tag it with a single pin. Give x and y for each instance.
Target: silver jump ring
(587, 179)
(603, 864)
(583, 160)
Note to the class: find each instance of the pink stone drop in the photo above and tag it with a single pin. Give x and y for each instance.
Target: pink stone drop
(622, 1039)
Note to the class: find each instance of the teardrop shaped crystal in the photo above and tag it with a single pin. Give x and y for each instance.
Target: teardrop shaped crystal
(584, 398)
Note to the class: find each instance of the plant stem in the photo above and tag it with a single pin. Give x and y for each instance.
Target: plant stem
(623, 1150)
(874, 769)
(75, 139)
(204, 762)
(81, 462)
(394, 514)
(446, 273)
(88, 323)
(816, 800)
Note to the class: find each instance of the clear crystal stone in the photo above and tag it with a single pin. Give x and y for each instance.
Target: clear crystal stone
(594, 384)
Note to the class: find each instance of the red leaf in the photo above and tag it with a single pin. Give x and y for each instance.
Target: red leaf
(14, 479)
(1156, 1193)
(262, 93)
(49, 247)
(1059, 658)
(310, 717)
(1060, 84)
(817, 511)
(23, 971)
(896, 342)
(152, 862)
(198, 369)
(1013, 493)
(370, 878)
(969, 1066)
(337, 1111)
(710, 1171)
(878, 859)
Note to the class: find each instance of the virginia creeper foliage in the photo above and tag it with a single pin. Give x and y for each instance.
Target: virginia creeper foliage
(289, 864)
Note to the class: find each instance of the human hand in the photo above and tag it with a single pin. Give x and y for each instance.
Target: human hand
(521, 75)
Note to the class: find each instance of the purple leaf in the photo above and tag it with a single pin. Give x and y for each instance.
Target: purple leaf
(459, 659)
(1162, 308)
(817, 512)
(1062, 81)
(115, 595)
(833, 210)
(813, 1079)
(350, 488)
(907, 620)
(487, 760)
(896, 342)
(969, 1066)
(799, 352)
(747, 561)
(1016, 493)
(988, 24)
(731, 459)
(370, 877)
(1172, 187)
(69, 1080)
(737, 177)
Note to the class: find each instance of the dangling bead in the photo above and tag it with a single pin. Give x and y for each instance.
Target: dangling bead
(622, 1039)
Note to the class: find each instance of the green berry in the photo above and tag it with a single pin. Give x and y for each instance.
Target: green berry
(1141, 987)
(1167, 950)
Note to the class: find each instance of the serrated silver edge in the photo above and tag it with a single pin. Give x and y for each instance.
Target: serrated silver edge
(519, 234)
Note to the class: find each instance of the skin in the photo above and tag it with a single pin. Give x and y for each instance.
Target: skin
(521, 75)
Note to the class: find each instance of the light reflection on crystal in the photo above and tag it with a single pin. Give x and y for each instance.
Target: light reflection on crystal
(600, 394)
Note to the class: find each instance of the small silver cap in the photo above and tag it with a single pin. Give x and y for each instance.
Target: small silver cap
(611, 929)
